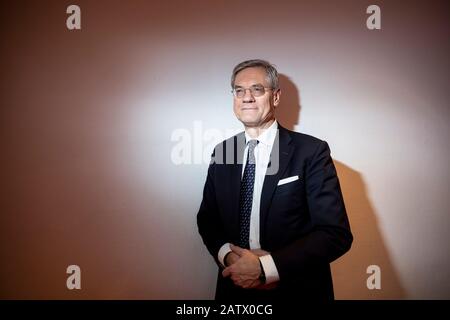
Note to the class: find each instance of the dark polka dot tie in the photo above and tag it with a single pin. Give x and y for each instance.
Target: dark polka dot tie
(246, 196)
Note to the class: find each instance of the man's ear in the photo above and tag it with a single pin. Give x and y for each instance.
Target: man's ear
(276, 97)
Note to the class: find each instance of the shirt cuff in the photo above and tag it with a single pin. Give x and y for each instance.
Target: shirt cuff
(223, 252)
(270, 269)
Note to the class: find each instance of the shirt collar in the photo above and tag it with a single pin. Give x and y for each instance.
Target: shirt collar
(267, 137)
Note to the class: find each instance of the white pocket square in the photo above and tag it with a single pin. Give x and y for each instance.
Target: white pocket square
(287, 180)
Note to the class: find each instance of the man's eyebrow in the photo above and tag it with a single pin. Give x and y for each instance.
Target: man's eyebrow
(253, 85)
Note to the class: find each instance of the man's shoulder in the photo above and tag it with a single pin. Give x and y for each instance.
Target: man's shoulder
(297, 138)
(231, 140)
(229, 146)
(302, 139)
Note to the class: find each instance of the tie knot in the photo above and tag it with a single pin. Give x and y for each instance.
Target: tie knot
(251, 151)
(252, 143)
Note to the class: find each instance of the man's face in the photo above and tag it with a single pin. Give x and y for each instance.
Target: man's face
(250, 110)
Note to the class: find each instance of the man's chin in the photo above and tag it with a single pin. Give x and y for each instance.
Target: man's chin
(250, 124)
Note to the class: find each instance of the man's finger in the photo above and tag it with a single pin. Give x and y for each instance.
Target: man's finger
(236, 249)
(226, 272)
(260, 252)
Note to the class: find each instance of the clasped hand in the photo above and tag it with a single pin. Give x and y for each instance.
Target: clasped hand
(244, 267)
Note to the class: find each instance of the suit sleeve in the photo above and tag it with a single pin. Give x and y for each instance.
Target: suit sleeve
(330, 236)
(208, 218)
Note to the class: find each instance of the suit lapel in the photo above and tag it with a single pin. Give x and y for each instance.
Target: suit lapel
(284, 150)
(235, 176)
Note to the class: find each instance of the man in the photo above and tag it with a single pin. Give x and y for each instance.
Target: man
(272, 213)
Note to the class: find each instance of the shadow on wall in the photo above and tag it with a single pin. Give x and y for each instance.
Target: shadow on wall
(288, 111)
(349, 272)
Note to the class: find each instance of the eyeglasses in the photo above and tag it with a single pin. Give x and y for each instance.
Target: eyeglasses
(256, 91)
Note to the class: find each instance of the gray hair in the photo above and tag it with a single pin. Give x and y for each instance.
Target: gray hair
(272, 73)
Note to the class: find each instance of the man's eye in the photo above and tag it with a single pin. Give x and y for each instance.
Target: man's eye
(239, 90)
(258, 89)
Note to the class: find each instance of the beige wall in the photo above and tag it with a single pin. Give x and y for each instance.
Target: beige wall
(87, 118)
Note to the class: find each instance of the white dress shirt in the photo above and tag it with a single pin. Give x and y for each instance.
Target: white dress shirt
(262, 158)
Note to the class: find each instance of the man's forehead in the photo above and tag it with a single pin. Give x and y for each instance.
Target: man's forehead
(251, 76)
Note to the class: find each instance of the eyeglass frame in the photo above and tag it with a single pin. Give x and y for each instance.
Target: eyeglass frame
(233, 91)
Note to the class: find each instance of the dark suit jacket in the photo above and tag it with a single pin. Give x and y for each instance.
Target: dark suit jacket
(303, 224)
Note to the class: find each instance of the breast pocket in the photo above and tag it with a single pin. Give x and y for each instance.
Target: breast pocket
(294, 187)
(289, 200)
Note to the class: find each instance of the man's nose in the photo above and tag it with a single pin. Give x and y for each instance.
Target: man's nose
(248, 97)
